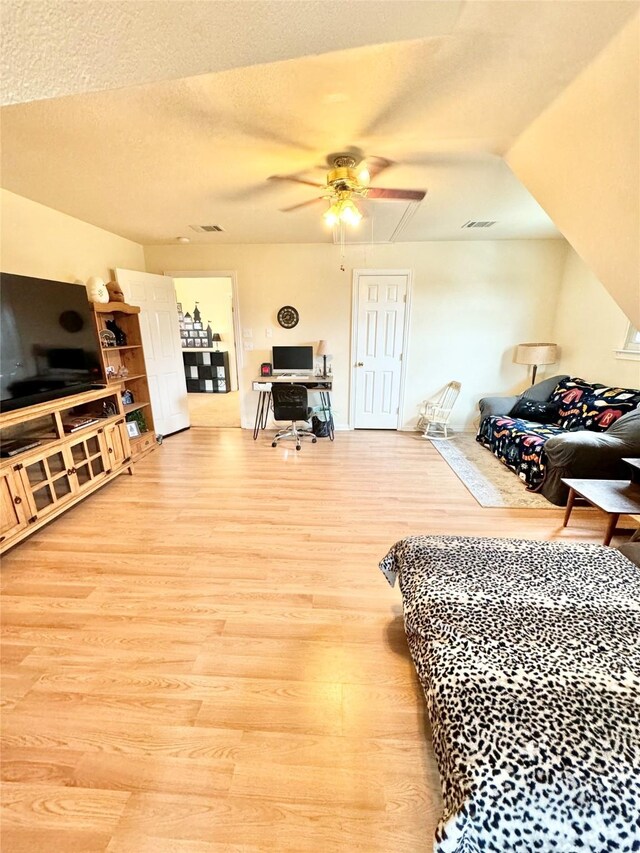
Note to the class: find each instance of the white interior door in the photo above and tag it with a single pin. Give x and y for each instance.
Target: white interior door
(379, 348)
(156, 296)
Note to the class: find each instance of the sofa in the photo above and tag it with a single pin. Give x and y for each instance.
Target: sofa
(563, 427)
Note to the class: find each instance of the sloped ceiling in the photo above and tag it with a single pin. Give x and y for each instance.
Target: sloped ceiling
(149, 161)
(581, 160)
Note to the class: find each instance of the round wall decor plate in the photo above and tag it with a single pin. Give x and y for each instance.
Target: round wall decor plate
(288, 317)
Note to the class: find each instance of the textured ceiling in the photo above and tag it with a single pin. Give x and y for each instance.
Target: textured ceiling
(52, 48)
(148, 161)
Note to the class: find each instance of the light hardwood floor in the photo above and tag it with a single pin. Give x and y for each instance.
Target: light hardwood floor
(205, 657)
(214, 410)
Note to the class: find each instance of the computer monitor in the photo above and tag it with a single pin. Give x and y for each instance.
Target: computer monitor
(292, 360)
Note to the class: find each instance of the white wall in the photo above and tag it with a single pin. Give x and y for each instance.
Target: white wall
(580, 159)
(589, 327)
(472, 302)
(44, 243)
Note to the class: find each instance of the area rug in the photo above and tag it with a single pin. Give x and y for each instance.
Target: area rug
(490, 482)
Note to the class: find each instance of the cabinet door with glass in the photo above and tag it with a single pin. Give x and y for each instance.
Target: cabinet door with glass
(13, 506)
(48, 482)
(89, 459)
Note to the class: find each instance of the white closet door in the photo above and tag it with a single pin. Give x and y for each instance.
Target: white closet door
(156, 296)
(379, 349)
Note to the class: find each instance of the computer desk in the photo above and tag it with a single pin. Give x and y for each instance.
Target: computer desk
(323, 384)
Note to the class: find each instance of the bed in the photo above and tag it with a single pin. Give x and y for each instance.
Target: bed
(529, 657)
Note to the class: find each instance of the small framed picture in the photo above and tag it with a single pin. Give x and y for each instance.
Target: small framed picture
(197, 325)
(198, 342)
(203, 334)
(190, 342)
(133, 429)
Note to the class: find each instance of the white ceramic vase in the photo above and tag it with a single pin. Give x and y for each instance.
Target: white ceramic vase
(97, 290)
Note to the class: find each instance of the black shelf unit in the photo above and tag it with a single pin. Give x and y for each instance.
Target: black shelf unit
(206, 371)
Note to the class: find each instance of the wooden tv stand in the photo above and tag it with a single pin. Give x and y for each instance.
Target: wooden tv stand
(39, 484)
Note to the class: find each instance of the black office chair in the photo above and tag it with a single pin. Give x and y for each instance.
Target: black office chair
(291, 403)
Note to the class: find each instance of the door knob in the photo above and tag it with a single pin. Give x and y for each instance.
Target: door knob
(360, 364)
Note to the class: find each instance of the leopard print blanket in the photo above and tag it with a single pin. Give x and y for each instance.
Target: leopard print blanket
(529, 657)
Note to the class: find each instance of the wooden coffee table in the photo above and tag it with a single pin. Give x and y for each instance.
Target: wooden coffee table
(634, 464)
(614, 497)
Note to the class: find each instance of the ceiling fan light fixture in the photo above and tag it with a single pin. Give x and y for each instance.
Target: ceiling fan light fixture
(331, 217)
(342, 210)
(350, 213)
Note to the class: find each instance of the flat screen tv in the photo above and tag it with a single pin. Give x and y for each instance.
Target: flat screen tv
(292, 359)
(48, 342)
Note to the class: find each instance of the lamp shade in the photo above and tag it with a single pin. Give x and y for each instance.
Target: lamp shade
(536, 354)
(323, 348)
(216, 337)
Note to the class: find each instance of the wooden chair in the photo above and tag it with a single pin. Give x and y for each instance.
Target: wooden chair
(435, 413)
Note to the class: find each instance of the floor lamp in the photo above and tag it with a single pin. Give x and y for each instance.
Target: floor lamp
(536, 354)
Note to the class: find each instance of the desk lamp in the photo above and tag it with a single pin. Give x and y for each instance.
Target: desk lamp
(323, 350)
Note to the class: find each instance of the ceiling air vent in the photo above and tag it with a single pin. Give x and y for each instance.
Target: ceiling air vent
(475, 223)
(206, 229)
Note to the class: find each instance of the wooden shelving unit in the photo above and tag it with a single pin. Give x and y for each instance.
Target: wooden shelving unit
(129, 378)
(129, 346)
(133, 407)
(131, 357)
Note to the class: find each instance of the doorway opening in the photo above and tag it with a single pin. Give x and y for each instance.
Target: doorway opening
(208, 330)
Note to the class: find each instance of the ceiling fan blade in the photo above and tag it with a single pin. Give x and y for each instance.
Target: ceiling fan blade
(463, 157)
(190, 102)
(253, 192)
(376, 165)
(295, 180)
(302, 204)
(270, 134)
(396, 195)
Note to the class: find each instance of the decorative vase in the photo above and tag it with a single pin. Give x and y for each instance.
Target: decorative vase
(97, 290)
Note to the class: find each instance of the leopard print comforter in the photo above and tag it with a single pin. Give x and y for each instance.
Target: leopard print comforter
(529, 657)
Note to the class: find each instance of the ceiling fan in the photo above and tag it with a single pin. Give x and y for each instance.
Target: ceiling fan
(349, 177)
